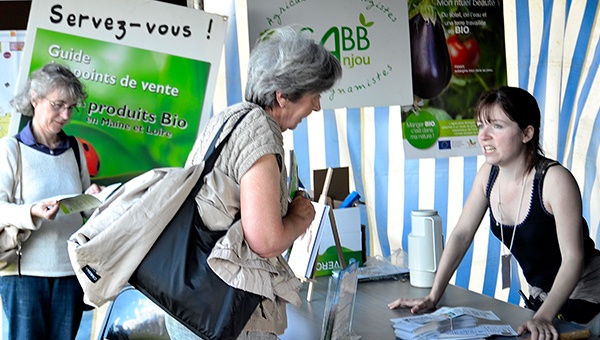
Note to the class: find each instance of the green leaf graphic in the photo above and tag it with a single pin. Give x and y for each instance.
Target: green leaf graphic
(363, 21)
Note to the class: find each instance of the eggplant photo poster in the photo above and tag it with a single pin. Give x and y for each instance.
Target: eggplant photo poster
(457, 52)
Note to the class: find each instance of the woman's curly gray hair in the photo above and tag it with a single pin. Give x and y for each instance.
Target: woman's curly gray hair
(292, 63)
(47, 79)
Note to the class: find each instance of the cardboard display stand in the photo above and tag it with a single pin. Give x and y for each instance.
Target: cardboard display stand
(351, 235)
(323, 199)
(347, 219)
(302, 257)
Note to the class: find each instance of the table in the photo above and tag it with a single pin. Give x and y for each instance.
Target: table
(371, 319)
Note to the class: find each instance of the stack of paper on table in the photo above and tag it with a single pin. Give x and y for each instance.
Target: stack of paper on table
(379, 269)
(450, 323)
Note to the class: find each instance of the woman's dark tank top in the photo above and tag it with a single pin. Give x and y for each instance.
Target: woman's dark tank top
(535, 245)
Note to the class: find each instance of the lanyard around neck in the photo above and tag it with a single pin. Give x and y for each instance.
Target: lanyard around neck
(500, 210)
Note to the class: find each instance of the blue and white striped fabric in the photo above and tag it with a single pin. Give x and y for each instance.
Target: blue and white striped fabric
(552, 51)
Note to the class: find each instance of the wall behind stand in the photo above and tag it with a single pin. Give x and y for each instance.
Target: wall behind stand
(14, 14)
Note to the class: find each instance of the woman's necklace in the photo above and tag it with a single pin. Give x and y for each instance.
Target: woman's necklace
(507, 257)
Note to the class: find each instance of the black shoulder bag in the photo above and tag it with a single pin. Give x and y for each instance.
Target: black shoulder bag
(175, 275)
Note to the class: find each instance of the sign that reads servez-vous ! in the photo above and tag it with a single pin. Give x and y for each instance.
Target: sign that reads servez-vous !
(150, 71)
(370, 38)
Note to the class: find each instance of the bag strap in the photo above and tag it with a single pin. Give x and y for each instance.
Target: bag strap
(18, 182)
(213, 152)
(18, 176)
(75, 146)
(211, 149)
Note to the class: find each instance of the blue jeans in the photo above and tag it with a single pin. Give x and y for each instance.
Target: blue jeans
(41, 307)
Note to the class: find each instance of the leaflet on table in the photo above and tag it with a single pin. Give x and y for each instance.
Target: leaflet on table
(457, 322)
(433, 329)
(302, 256)
(452, 312)
(70, 204)
(375, 269)
(479, 332)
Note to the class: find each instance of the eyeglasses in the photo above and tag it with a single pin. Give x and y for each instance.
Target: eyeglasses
(60, 106)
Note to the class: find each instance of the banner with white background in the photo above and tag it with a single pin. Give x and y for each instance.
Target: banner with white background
(150, 70)
(369, 38)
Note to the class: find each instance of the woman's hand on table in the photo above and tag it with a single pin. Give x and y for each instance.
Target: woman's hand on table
(416, 306)
(539, 329)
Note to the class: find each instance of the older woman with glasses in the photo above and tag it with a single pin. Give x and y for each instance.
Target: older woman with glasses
(41, 297)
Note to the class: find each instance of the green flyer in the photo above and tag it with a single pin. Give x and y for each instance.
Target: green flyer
(139, 115)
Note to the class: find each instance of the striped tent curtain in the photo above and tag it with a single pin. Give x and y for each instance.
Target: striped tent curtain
(552, 51)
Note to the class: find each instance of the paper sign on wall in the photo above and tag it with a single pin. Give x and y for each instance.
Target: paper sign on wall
(150, 71)
(457, 53)
(369, 38)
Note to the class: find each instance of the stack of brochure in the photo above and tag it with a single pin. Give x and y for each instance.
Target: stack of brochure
(450, 323)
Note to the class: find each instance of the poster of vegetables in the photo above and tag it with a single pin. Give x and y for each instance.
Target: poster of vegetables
(457, 52)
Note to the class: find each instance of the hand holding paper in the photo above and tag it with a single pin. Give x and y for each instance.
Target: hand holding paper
(70, 204)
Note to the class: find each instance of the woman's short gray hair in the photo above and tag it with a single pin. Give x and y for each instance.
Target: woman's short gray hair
(292, 63)
(47, 79)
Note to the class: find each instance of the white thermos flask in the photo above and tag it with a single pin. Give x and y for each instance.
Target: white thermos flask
(425, 245)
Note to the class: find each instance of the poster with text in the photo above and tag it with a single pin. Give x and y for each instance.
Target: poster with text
(11, 50)
(369, 38)
(457, 52)
(149, 69)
